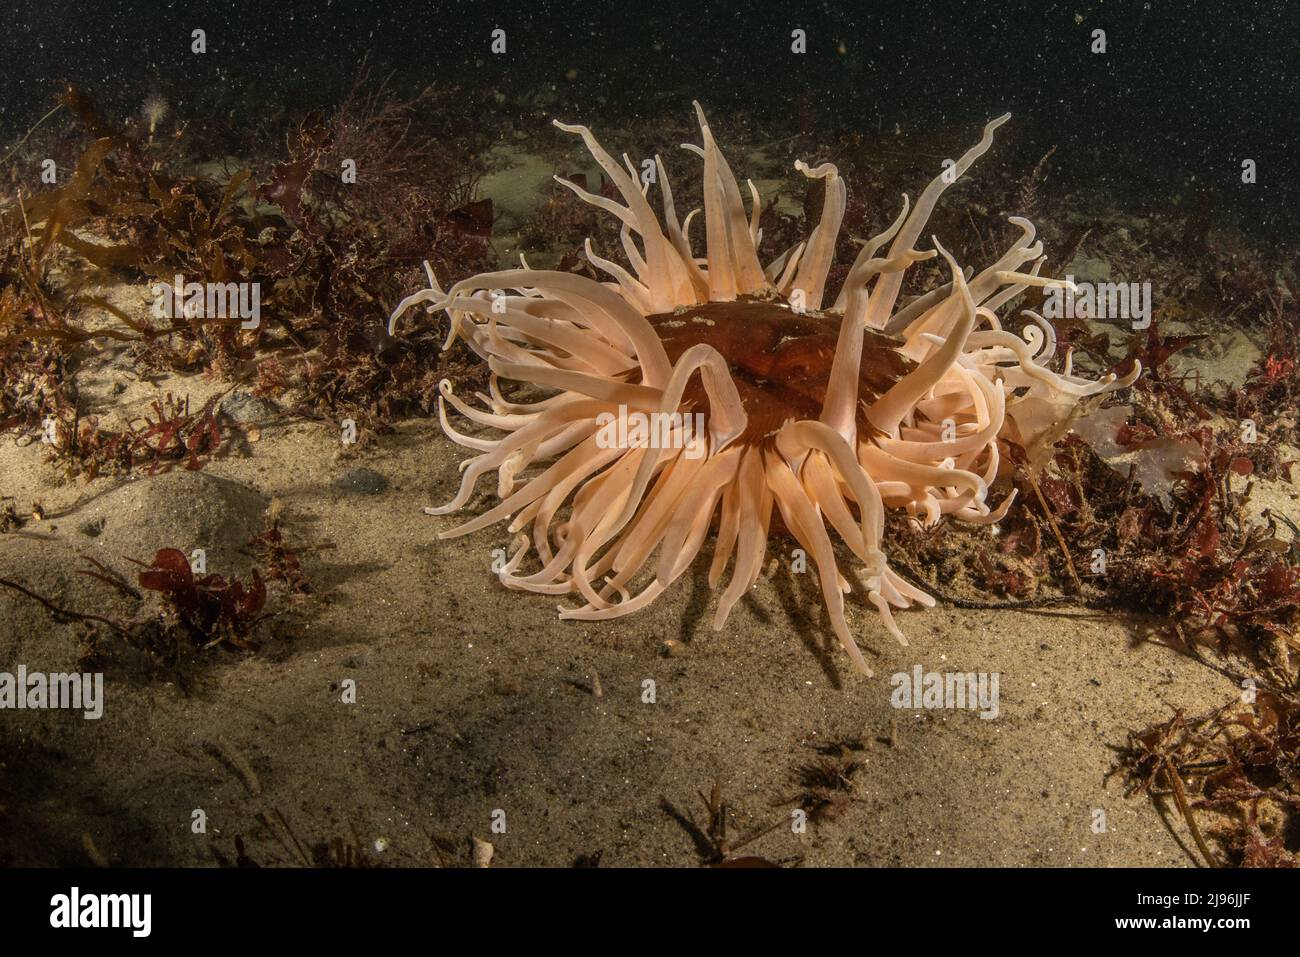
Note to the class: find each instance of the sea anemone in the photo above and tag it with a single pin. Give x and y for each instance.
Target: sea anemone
(832, 414)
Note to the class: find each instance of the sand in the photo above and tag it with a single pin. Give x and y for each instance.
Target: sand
(472, 700)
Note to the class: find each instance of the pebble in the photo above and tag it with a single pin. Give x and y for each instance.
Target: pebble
(361, 481)
(243, 406)
(92, 528)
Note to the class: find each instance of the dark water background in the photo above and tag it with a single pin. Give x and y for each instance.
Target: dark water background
(1186, 91)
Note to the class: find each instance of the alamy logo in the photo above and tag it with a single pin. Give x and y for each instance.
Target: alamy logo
(1101, 300)
(946, 689)
(209, 300)
(655, 430)
(38, 690)
(75, 909)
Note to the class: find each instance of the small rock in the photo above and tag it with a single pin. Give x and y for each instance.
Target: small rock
(243, 406)
(92, 528)
(361, 481)
(1084, 269)
(184, 510)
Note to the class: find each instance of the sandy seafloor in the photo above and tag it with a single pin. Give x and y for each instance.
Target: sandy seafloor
(472, 699)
